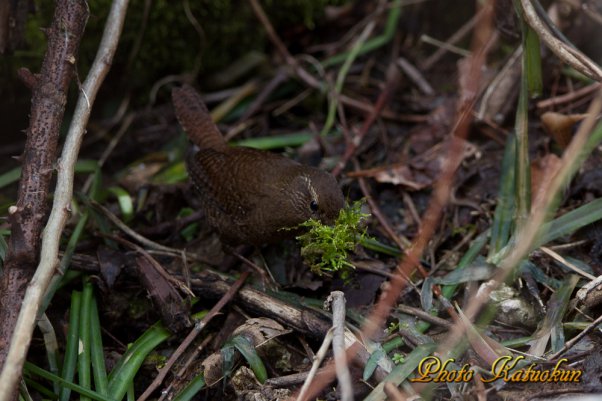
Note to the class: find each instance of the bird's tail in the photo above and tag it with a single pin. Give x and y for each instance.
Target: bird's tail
(195, 118)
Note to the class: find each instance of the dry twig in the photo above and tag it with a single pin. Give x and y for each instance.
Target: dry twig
(64, 187)
(337, 299)
(320, 355)
(193, 334)
(567, 54)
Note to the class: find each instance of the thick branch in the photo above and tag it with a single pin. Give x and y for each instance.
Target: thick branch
(48, 105)
(62, 198)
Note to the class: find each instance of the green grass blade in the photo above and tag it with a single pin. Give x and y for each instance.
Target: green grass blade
(83, 357)
(376, 246)
(473, 251)
(504, 211)
(571, 222)
(191, 389)
(531, 54)
(277, 141)
(70, 358)
(338, 86)
(13, 175)
(532, 66)
(129, 364)
(402, 371)
(33, 369)
(3, 250)
(32, 384)
(10, 177)
(523, 166)
(87, 166)
(551, 327)
(172, 174)
(249, 352)
(125, 202)
(374, 43)
(101, 383)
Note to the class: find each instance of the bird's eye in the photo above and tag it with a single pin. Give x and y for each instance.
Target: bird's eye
(313, 206)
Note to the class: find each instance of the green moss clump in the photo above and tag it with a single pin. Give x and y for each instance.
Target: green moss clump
(326, 248)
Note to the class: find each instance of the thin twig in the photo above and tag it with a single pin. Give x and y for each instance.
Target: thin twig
(193, 356)
(455, 38)
(416, 76)
(160, 270)
(576, 339)
(155, 248)
(337, 298)
(267, 90)
(320, 355)
(422, 315)
(284, 53)
(568, 97)
(402, 242)
(391, 84)
(192, 335)
(124, 227)
(445, 46)
(568, 264)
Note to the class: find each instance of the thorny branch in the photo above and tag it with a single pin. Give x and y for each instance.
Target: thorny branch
(70, 14)
(29, 214)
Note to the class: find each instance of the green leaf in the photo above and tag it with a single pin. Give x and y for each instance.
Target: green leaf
(3, 250)
(372, 363)
(248, 351)
(277, 141)
(70, 358)
(11, 176)
(191, 389)
(172, 174)
(125, 202)
(504, 210)
(571, 222)
(83, 356)
(228, 353)
(402, 371)
(128, 365)
(374, 43)
(86, 166)
(33, 369)
(477, 271)
(101, 381)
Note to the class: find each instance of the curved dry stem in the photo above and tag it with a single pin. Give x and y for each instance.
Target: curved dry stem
(567, 54)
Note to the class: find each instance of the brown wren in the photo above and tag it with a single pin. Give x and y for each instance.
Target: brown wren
(251, 196)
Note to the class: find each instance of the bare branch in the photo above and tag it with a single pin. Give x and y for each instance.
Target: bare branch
(62, 198)
(29, 214)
